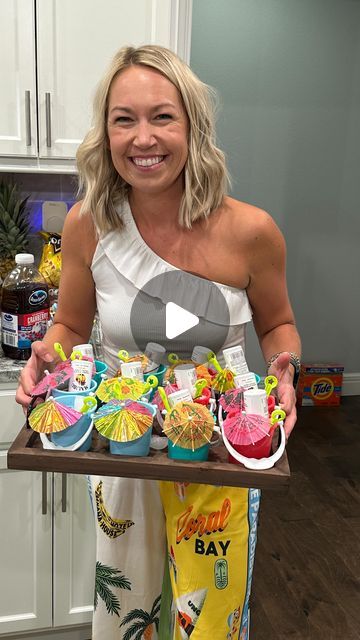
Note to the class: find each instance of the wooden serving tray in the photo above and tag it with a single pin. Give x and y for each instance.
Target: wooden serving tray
(27, 453)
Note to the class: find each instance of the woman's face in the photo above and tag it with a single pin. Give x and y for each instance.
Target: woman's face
(148, 130)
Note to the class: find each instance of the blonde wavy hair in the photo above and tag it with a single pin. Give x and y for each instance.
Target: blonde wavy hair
(205, 175)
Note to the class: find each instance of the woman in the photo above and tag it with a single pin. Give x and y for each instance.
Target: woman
(154, 198)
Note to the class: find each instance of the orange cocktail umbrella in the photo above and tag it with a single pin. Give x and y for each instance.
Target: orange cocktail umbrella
(189, 425)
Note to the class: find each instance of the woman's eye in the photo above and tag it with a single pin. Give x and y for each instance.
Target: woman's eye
(163, 116)
(123, 119)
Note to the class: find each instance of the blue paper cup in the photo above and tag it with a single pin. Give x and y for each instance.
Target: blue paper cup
(138, 447)
(101, 368)
(60, 392)
(75, 432)
(181, 453)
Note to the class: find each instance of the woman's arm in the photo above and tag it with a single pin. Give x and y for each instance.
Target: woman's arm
(76, 307)
(272, 313)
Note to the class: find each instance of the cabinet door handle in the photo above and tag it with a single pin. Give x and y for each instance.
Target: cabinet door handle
(63, 492)
(27, 118)
(44, 493)
(48, 119)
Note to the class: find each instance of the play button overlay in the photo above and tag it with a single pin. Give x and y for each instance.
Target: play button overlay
(178, 320)
(179, 311)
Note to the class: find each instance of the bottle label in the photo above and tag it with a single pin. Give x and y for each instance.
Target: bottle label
(21, 330)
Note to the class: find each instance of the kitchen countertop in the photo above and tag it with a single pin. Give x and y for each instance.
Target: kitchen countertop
(9, 369)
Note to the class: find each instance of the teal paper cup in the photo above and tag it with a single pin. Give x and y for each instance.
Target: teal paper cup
(181, 453)
(101, 369)
(160, 373)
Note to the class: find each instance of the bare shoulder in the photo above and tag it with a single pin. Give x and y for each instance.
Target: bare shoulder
(79, 233)
(248, 220)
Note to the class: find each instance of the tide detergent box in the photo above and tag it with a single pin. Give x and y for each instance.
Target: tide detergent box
(320, 384)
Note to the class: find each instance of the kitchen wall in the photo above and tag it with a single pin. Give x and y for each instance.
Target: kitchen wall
(288, 75)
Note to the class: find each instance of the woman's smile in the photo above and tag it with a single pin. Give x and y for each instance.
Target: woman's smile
(148, 130)
(150, 162)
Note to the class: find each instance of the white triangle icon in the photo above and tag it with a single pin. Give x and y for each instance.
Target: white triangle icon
(178, 320)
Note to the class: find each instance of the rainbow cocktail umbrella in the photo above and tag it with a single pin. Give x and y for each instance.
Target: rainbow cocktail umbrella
(123, 421)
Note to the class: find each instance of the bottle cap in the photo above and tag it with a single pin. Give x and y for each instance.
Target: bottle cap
(24, 258)
(200, 354)
(155, 352)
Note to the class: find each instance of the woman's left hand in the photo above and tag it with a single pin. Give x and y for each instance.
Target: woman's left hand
(285, 391)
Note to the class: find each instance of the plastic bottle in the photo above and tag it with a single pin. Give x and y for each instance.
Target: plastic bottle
(24, 308)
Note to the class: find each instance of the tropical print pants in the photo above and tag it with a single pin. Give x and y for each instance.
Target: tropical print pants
(208, 534)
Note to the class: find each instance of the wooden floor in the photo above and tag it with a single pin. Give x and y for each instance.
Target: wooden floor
(306, 579)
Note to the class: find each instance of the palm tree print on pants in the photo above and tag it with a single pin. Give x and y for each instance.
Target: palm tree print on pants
(142, 626)
(106, 577)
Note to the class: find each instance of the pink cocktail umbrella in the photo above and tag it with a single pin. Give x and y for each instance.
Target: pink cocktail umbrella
(59, 376)
(61, 373)
(244, 429)
(232, 400)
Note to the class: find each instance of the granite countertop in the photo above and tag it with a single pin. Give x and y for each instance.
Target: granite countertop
(9, 369)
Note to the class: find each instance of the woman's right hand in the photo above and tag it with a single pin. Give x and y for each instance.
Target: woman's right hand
(32, 372)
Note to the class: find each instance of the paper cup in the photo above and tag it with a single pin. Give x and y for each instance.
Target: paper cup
(101, 369)
(73, 434)
(59, 392)
(181, 453)
(138, 447)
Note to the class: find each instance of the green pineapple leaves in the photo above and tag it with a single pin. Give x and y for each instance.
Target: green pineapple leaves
(15, 225)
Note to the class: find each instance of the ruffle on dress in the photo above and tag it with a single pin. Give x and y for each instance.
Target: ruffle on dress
(139, 265)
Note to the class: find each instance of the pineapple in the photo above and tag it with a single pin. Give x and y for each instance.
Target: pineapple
(14, 226)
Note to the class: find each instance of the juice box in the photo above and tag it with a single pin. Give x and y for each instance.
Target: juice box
(320, 384)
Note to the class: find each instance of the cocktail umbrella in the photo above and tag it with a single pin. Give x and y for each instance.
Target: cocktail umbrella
(123, 421)
(232, 400)
(61, 373)
(244, 428)
(124, 356)
(124, 388)
(52, 416)
(189, 425)
(224, 379)
(59, 376)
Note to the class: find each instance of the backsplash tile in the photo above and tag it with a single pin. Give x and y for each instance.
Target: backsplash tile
(41, 187)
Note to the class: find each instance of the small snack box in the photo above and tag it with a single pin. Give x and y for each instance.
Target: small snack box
(320, 384)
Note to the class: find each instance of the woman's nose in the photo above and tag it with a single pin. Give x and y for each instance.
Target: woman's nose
(144, 135)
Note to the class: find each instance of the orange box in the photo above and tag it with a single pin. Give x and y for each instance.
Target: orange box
(320, 384)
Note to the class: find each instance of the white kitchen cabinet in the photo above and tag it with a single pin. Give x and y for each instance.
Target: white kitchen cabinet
(74, 43)
(74, 551)
(25, 552)
(17, 79)
(47, 544)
